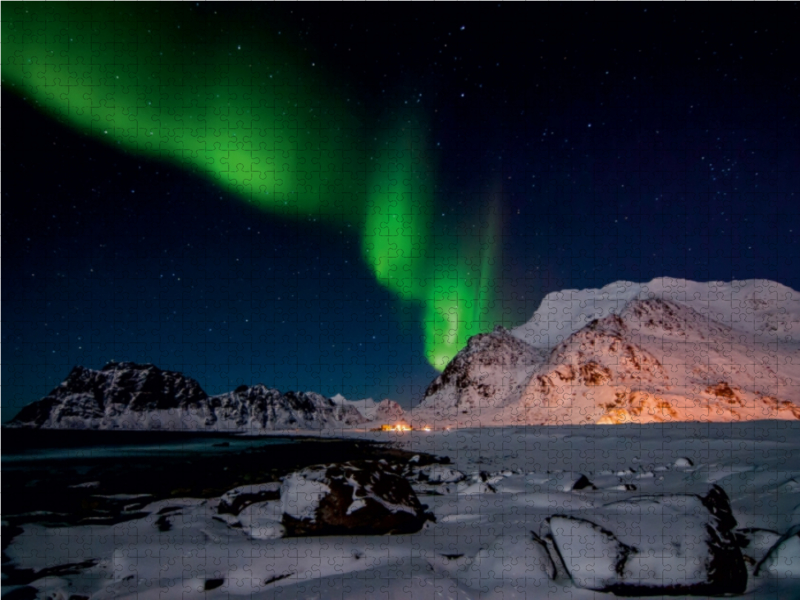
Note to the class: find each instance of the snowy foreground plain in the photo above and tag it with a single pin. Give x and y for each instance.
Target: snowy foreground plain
(642, 489)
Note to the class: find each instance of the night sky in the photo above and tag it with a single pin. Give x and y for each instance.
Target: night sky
(563, 146)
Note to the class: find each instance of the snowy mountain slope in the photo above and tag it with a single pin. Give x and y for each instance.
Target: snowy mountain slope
(491, 368)
(667, 350)
(114, 393)
(759, 307)
(260, 407)
(133, 396)
(386, 411)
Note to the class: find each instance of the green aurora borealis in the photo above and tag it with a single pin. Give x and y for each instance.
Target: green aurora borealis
(238, 109)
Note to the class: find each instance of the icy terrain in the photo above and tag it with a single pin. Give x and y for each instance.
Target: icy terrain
(686, 509)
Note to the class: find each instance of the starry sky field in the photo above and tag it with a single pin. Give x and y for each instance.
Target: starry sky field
(547, 146)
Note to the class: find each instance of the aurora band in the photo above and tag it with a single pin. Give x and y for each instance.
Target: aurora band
(222, 100)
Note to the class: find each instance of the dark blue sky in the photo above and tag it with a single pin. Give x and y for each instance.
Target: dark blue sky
(625, 142)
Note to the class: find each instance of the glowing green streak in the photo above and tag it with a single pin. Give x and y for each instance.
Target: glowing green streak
(463, 303)
(241, 111)
(253, 122)
(398, 213)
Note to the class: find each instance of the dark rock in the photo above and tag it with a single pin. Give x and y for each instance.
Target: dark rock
(726, 567)
(358, 497)
(275, 578)
(212, 584)
(163, 524)
(583, 483)
(24, 592)
(756, 543)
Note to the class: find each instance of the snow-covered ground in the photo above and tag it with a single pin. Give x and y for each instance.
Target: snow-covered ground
(525, 512)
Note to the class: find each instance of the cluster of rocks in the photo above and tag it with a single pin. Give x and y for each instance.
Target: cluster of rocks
(366, 497)
(683, 544)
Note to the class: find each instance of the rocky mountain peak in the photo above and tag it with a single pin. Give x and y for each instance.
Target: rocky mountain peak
(669, 350)
(129, 395)
(483, 372)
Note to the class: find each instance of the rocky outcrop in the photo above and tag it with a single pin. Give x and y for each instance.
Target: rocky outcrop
(358, 497)
(483, 375)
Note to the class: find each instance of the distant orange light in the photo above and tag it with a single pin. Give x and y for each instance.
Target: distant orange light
(396, 427)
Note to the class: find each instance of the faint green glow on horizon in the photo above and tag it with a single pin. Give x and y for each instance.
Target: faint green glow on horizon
(239, 109)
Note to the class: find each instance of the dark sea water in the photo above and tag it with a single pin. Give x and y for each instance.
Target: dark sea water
(25, 445)
(68, 477)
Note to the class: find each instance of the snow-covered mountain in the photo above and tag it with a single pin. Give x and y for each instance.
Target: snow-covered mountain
(662, 351)
(494, 366)
(668, 350)
(132, 396)
(384, 412)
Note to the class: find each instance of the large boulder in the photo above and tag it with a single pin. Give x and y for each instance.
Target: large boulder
(653, 545)
(358, 497)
